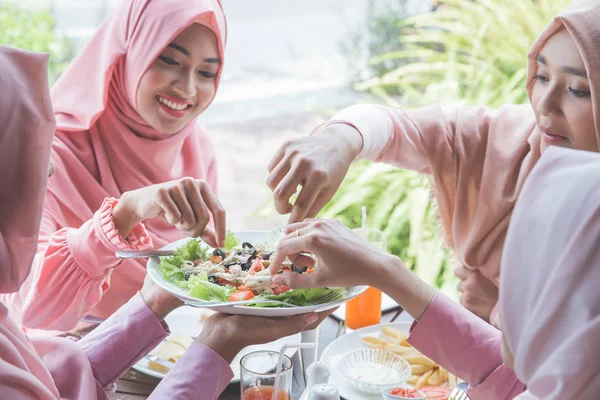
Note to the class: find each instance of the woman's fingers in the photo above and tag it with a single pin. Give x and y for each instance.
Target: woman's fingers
(299, 281)
(288, 247)
(462, 273)
(218, 213)
(165, 203)
(285, 189)
(306, 198)
(180, 198)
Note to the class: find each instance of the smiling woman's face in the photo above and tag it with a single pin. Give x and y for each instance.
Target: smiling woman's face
(181, 82)
(561, 96)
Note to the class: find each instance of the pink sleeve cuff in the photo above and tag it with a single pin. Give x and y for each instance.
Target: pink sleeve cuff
(137, 240)
(124, 338)
(200, 374)
(339, 121)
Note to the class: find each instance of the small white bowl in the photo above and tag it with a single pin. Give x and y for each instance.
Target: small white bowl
(388, 396)
(377, 363)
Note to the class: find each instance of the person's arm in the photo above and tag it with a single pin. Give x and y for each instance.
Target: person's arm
(413, 139)
(71, 270)
(123, 339)
(469, 348)
(454, 337)
(447, 333)
(201, 374)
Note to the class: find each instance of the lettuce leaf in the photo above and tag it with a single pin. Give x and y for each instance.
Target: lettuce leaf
(169, 267)
(202, 289)
(231, 241)
(192, 250)
(301, 297)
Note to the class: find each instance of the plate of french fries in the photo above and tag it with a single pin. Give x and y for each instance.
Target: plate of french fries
(391, 337)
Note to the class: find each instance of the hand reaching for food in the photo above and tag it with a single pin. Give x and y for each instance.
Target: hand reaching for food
(186, 203)
(318, 163)
(343, 257)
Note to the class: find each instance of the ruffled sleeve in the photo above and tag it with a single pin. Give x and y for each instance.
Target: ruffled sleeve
(71, 271)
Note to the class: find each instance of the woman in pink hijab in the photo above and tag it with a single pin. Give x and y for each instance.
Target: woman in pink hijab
(127, 150)
(58, 368)
(479, 159)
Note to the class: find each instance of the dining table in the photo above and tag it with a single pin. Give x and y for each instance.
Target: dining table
(135, 385)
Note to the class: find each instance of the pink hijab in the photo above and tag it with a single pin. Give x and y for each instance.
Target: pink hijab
(102, 146)
(549, 296)
(26, 128)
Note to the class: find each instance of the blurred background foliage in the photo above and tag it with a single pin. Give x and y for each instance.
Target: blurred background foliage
(33, 29)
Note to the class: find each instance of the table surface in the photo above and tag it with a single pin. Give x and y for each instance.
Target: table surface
(135, 385)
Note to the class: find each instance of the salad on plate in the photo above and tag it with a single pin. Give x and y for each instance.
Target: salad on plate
(237, 272)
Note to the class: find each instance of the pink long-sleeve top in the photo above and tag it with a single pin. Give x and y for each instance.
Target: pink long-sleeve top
(478, 159)
(469, 348)
(45, 368)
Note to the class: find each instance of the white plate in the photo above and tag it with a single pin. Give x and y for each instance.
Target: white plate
(347, 343)
(188, 321)
(253, 237)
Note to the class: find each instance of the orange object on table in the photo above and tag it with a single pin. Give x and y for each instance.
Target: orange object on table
(264, 393)
(364, 310)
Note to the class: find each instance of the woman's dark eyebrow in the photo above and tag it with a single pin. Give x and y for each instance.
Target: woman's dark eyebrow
(568, 70)
(180, 48)
(188, 54)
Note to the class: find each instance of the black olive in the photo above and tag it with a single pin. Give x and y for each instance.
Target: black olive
(188, 275)
(220, 253)
(266, 256)
(241, 253)
(299, 270)
(245, 266)
(251, 259)
(248, 248)
(212, 278)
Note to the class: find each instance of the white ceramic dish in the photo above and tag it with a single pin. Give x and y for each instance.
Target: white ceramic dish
(188, 321)
(252, 237)
(336, 350)
(397, 368)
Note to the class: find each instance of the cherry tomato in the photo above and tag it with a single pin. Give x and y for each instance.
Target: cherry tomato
(406, 392)
(436, 392)
(278, 289)
(225, 282)
(256, 266)
(241, 295)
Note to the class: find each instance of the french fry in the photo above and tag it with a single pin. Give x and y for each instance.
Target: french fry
(413, 379)
(452, 381)
(443, 375)
(375, 341)
(394, 333)
(418, 369)
(434, 379)
(404, 351)
(158, 367)
(423, 379)
(421, 359)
